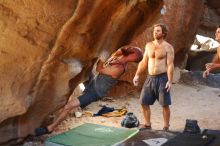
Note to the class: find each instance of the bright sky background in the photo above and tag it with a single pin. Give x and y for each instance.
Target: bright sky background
(203, 39)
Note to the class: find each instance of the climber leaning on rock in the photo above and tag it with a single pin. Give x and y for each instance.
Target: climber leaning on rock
(216, 60)
(108, 74)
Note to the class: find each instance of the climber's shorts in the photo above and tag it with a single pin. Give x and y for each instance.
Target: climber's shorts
(154, 89)
(96, 89)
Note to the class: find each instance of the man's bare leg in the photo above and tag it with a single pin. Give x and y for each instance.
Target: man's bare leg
(71, 104)
(166, 116)
(147, 114)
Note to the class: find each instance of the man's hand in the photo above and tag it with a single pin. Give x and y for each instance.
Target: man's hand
(205, 73)
(136, 80)
(100, 62)
(168, 86)
(112, 59)
(209, 66)
(99, 65)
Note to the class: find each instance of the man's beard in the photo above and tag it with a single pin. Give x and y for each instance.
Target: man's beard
(158, 37)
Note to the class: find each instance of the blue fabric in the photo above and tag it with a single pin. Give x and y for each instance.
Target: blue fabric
(104, 110)
(96, 89)
(103, 83)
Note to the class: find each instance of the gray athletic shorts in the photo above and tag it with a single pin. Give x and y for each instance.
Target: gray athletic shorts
(96, 89)
(154, 89)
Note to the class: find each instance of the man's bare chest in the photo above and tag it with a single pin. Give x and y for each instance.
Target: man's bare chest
(157, 53)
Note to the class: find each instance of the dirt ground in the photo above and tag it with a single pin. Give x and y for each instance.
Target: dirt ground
(188, 102)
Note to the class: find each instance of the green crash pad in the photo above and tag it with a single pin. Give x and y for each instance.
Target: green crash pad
(91, 135)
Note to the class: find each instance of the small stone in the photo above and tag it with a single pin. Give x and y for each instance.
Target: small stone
(102, 120)
(78, 114)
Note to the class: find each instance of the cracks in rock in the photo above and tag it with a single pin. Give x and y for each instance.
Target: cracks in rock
(8, 13)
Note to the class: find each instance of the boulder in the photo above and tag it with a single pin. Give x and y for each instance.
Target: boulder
(49, 47)
(210, 18)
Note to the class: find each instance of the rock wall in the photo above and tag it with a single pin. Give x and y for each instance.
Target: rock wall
(49, 47)
(210, 18)
(27, 32)
(182, 18)
(183, 22)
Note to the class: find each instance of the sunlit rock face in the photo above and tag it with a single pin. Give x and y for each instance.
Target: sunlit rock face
(49, 47)
(27, 32)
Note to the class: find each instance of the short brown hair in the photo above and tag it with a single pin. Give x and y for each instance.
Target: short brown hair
(164, 29)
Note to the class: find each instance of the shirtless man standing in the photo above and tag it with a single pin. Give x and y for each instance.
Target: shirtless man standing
(108, 74)
(216, 61)
(158, 59)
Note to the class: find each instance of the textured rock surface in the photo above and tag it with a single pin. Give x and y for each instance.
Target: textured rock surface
(49, 47)
(182, 18)
(27, 31)
(182, 22)
(210, 18)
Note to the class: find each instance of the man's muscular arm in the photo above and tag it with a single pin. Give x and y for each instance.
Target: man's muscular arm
(142, 66)
(215, 62)
(114, 56)
(170, 66)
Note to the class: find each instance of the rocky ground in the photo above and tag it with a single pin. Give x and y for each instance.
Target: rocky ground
(188, 102)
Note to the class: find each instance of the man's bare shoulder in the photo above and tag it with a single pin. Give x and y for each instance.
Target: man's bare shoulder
(169, 46)
(148, 44)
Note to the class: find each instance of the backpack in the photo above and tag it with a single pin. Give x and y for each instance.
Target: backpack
(191, 127)
(130, 121)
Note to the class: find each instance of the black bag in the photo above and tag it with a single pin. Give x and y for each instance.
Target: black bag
(130, 121)
(191, 127)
